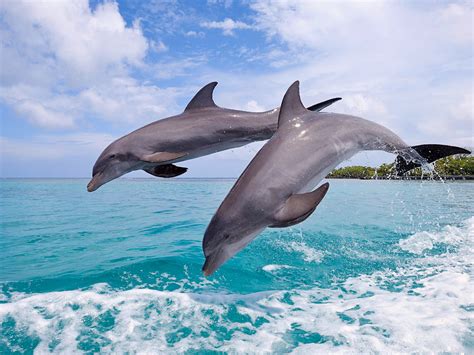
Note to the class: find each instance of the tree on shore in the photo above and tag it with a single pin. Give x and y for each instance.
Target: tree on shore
(458, 165)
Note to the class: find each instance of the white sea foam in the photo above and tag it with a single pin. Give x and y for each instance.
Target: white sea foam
(421, 241)
(428, 312)
(309, 254)
(275, 267)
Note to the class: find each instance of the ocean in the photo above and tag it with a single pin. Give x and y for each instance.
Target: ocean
(381, 266)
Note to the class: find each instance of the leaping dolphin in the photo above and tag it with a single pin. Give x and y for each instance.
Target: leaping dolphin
(275, 188)
(203, 128)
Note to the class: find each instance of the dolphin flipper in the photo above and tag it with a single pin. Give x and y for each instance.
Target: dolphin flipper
(299, 207)
(322, 105)
(160, 157)
(166, 171)
(430, 152)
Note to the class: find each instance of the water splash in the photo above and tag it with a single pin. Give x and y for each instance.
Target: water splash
(387, 311)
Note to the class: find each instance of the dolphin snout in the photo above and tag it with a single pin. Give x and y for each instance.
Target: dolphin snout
(94, 183)
(213, 261)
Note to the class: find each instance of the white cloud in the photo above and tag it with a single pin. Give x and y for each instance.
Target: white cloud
(39, 106)
(121, 100)
(125, 100)
(158, 46)
(194, 34)
(175, 68)
(253, 105)
(54, 147)
(63, 63)
(361, 105)
(228, 26)
(42, 116)
(399, 64)
(403, 29)
(84, 45)
(225, 3)
(364, 105)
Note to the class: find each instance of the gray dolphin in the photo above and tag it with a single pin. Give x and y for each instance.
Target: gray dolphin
(203, 128)
(275, 188)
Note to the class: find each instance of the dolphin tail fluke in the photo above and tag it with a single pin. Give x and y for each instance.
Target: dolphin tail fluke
(322, 105)
(299, 207)
(429, 152)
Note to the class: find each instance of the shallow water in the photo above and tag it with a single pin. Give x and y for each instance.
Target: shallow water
(380, 266)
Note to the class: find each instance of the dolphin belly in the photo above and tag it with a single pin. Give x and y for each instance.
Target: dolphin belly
(213, 148)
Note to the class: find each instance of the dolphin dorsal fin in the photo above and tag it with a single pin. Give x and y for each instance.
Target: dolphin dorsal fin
(291, 105)
(203, 98)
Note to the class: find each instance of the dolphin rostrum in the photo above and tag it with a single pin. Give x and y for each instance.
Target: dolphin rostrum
(275, 188)
(203, 128)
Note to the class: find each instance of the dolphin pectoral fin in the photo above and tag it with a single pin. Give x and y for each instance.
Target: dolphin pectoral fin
(430, 152)
(166, 171)
(203, 98)
(161, 157)
(299, 207)
(322, 105)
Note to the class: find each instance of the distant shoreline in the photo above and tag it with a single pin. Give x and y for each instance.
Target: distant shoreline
(454, 168)
(460, 167)
(393, 178)
(401, 178)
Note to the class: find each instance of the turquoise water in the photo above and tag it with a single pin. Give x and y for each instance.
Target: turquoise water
(380, 266)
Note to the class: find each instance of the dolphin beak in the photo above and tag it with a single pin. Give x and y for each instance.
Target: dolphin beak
(207, 269)
(214, 261)
(94, 183)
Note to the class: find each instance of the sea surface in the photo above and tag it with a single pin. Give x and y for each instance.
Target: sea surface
(381, 266)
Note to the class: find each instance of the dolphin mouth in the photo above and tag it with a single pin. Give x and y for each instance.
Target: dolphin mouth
(208, 268)
(213, 261)
(94, 183)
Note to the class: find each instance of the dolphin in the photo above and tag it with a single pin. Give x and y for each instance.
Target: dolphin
(275, 190)
(203, 128)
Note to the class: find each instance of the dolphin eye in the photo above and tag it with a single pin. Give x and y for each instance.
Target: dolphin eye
(112, 156)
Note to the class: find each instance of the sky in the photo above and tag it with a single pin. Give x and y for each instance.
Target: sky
(76, 75)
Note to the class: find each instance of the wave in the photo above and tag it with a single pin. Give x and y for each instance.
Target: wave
(425, 306)
(420, 242)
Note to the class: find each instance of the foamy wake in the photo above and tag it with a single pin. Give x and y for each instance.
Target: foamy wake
(430, 311)
(309, 254)
(275, 267)
(451, 236)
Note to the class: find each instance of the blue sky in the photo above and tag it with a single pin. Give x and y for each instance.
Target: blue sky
(77, 75)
